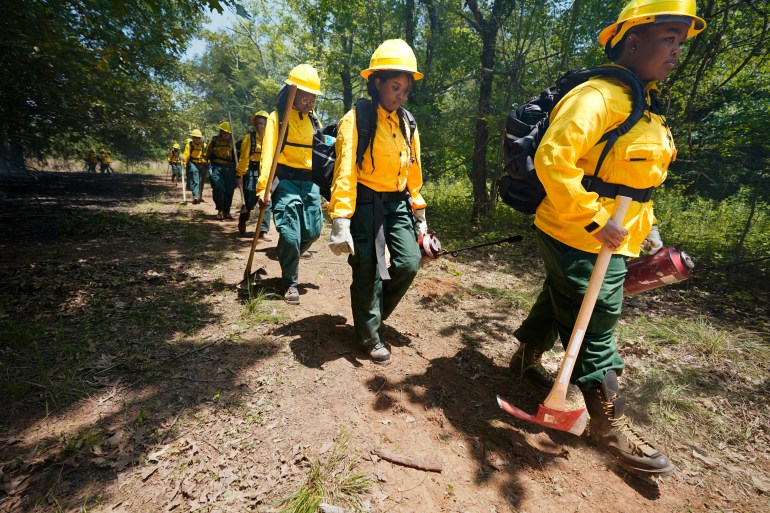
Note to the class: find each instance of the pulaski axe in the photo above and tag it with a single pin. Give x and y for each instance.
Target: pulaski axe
(553, 412)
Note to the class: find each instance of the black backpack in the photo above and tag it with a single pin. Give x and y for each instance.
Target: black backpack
(520, 187)
(324, 153)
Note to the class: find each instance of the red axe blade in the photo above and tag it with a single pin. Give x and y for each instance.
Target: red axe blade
(571, 421)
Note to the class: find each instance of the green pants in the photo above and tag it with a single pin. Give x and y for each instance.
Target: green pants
(176, 170)
(372, 299)
(250, 194)
(222, 186)
(297, 216)
(195, 179)
(556, 309)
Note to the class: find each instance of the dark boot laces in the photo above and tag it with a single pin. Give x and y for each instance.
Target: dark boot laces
(622, 424)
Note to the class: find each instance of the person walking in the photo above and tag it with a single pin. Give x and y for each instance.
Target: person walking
(375, 199)
(92, 159)
(572, 224)
(105, 162)
(196, 164)
(296, 201)
(219, 154)
(248, 172)
(175, 161)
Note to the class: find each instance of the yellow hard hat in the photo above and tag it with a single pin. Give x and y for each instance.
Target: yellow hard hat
(639, 12)
(196, 133)
(225, 127)
(176, 146)
(393, 54)
(305, 77)
(260, 114)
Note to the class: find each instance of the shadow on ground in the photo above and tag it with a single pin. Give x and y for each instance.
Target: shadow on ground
(101, 311)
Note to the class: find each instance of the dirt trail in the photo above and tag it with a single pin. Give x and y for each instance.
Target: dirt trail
(234, 411)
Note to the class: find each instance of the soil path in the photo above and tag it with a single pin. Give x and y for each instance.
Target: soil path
(210, 405)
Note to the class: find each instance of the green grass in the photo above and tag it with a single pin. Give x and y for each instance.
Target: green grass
(335, 481)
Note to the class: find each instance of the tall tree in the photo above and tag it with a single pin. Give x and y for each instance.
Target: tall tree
(486, 22)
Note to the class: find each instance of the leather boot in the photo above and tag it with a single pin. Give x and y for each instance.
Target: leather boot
(525, 364)
(612, 430)
(242, 222)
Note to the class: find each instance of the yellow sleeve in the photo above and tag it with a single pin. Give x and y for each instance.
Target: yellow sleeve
(268, 151)
(243, 160)
(343, 196)
(186, 152)
(414, 175)
(577, 124)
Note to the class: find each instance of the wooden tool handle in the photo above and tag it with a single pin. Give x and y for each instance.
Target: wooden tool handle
(279, 143)
(557, 399)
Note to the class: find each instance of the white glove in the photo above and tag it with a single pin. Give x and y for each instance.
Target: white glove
(652, 243)
(341, 241)
(420, 224)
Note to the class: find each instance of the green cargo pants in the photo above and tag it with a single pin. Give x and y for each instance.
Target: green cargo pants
(556, 309)
(372, 299)
(298, 219)
(223, 187)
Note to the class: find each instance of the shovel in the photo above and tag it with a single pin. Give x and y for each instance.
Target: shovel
(249, 278)
(553, 412)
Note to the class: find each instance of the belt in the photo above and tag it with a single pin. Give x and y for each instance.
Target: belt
(364, 196)
(284, 172)
(222, 163)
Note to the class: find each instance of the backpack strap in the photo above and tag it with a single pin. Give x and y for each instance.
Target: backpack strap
(363, 122)
(253, 141)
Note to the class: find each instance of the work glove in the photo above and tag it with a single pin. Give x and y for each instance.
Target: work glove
(420, 224)
(341, 241)
(652, 243)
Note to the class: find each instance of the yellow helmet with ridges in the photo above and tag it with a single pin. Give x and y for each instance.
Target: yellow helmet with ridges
(394, 54)
(640, 12)
(258, 114)
(305, 77)
(196, 133)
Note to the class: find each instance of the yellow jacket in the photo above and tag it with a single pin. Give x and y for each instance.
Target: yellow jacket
(220, 151)
(174, 156)
(639, 159)
(394, 167)
(297, 152)
(245, 156)
(194, 152)
(105, 159)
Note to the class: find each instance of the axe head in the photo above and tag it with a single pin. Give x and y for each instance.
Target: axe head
(571, 421)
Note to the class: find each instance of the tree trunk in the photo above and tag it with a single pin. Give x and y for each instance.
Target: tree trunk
(481, 204)
(347, 78)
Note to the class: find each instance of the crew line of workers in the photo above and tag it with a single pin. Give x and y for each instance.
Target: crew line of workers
(376, 202)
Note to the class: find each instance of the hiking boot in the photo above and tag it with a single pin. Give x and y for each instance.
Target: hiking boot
(228, 215)
(220, 216)
(195, 201)
(263, 236)
(292, 296)
(242, 218)
(379, 354)
(307, 254)
(610, 429)
(525, 364)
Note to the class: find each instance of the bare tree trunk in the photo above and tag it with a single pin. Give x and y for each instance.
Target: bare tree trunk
(738, 251)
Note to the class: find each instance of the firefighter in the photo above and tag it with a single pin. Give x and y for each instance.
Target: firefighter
(572, 224)
(105, 162)
(219, 153)
(370, 201)
(296, 201)
(248, 172)
(196, 164)
(175, 161)
(92, 159)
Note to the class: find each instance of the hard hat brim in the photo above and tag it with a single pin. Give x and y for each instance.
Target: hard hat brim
(368, 71)
(620, 28)
(307, 89)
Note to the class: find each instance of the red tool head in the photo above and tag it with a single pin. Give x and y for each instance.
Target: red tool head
(571, 421)
(430, 246)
